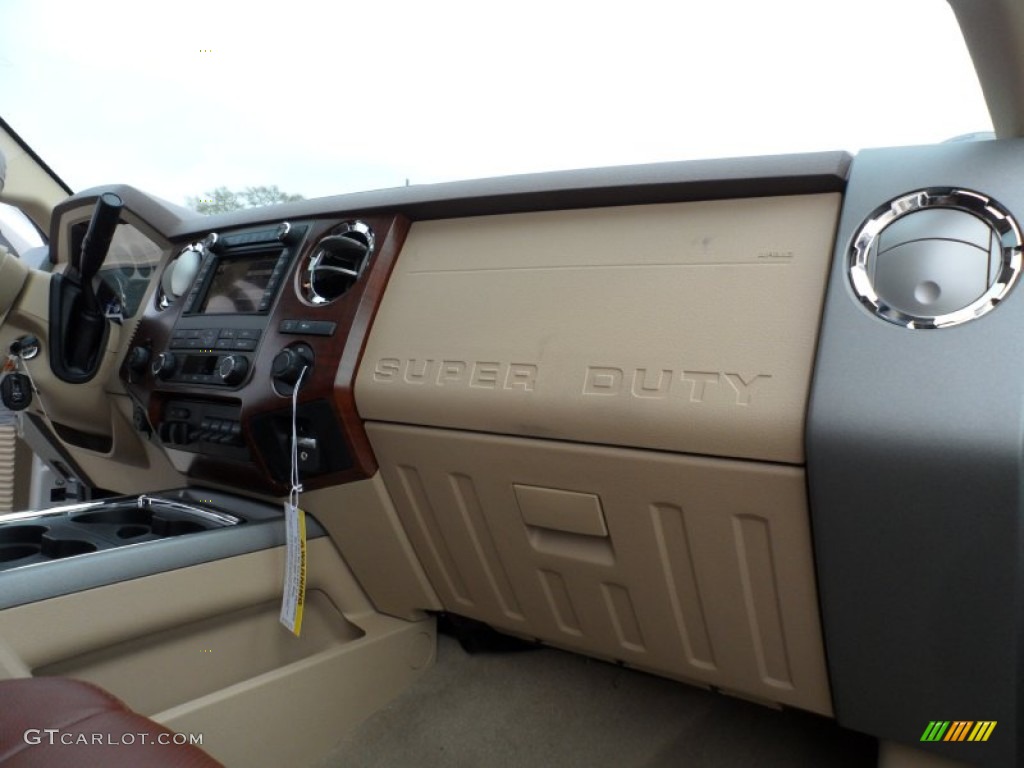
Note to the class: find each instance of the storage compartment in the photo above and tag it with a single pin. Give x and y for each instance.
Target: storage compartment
(200, 650)
(187, 662)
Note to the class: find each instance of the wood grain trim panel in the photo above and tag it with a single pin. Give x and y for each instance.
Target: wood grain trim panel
(331, 380)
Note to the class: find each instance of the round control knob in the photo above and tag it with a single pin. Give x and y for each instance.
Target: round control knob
(290, 361)
(164, 365)
(286, 233)
(138, 359)
(232, 369)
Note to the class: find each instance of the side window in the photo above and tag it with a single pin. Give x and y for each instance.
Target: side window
(18, 234)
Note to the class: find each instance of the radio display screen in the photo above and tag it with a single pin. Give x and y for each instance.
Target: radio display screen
(202, 364)
(238, 284)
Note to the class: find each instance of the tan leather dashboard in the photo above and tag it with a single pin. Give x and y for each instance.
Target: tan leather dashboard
(686, 327)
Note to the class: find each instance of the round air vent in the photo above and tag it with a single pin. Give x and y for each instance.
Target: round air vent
(935, 258)
(335, 263)
(179, 274)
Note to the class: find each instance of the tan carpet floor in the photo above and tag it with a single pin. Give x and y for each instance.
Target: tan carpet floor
(550, 708)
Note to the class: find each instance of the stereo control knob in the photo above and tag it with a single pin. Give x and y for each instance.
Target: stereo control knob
(138, 359)
(288, 364)
(164, 365)
(232, 369)
(286, 233)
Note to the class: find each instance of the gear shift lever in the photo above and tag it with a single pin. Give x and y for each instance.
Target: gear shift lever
(97, 238)
(86, 339)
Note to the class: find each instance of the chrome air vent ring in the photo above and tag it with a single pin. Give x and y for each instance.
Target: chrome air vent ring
(335, 263)
(935, 258)
(179, 274)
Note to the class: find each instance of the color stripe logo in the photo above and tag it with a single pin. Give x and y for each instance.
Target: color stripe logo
(958, 730)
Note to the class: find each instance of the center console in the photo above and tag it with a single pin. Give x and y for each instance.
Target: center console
(84, 545)
(28, 538)
(240, 318)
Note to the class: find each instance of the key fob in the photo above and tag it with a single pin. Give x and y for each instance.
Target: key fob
(16, 391)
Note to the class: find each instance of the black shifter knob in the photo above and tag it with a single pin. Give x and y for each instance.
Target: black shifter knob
(96, 243)
(290, 361)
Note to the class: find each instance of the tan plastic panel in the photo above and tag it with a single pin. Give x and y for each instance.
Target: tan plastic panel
(361, 520)
(687, 327)
(705, 573)
(205, 654)
(134, 465)
(199, 650)
(13, 274)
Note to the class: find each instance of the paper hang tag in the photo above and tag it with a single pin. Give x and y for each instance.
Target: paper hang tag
(294, 598)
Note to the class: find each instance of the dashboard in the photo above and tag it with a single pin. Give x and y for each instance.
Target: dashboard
(221, 325)
(706, 419)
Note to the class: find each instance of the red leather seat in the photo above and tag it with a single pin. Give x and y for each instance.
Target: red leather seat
(55, 722)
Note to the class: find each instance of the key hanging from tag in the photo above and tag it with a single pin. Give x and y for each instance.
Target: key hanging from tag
(16, 391)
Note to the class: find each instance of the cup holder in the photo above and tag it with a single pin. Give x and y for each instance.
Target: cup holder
(58, 548)
(163, 526)
(132, 531)
(124, 515)
(22, 534)
(9, 552)
(104, 525)
(130, 521)
(20, 541)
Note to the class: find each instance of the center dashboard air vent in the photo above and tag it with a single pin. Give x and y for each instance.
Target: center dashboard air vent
(335, 263)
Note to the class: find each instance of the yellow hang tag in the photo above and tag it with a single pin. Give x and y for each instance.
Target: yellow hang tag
(294, 597)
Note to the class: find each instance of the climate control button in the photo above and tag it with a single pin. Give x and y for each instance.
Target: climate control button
(232, 369)
(164, 365)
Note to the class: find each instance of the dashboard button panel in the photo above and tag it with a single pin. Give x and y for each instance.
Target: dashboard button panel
(308, 327)
(224, 342)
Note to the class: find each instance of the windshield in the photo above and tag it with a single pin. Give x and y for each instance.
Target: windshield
(313, 99)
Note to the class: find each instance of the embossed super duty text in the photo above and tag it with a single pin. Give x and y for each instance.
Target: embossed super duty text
(606, 381)
(479, 374)
(661, 383)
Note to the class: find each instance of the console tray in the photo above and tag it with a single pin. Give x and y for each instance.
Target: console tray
(27, 538)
